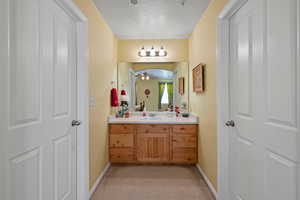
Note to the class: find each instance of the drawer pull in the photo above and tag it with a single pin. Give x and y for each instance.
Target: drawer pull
(182, 129)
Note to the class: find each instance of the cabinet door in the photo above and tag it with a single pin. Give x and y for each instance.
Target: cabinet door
(121, 140)
(153, 147)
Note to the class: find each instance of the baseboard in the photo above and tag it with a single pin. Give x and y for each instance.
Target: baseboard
(99, 179)
(210, 185)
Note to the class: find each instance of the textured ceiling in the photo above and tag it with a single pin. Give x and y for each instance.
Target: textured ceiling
(152, 19)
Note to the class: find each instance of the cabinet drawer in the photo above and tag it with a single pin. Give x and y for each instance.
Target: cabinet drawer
(185, 129)
(184, 155)
(121, 128)
(120, 155)
(152, 129)
(186, 141)
(121, 140)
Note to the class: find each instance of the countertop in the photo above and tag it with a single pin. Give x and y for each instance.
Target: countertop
(156, 118)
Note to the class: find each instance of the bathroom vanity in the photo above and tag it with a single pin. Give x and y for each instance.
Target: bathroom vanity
(164, 139)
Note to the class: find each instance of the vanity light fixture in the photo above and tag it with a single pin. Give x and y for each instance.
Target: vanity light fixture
(152, 52)
(162, 52)
(143, 52)
(144, 76)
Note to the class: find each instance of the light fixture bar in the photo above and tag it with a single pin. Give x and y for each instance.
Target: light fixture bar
(152, 52)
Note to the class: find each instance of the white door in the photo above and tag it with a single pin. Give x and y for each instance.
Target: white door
(264, 100)
(38, 101)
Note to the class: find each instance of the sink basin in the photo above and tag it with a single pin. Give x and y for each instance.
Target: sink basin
(151, 118)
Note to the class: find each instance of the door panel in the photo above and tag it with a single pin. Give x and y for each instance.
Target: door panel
(244, 68)
(62, 166)
(281, 177)
(61, 65)
(24, 85)
(281, 83)
(281, 49)
(30, 163)
(264, 101)
(38, 84)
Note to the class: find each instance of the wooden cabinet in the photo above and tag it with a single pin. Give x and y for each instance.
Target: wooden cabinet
(121, 140)
(154, 147)
(184, 155)
(121, 155)
(153, 143)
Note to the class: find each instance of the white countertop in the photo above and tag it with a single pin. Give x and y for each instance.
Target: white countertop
(158, 118)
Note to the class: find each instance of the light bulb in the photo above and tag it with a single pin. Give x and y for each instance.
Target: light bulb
(143, 53)
(162, 52)
(143, 77)
(147, 77)
(152, 52)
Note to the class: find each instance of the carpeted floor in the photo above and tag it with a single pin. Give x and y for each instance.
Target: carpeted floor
(149, 182)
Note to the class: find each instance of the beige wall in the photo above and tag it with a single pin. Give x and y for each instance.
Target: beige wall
(102, 70)
(202, 49)
(177, 50)
(124, 76)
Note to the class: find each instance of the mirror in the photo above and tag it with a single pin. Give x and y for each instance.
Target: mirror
(154, 86)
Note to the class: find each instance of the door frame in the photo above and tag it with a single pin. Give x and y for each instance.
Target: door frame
(82, 77)
(223, 95)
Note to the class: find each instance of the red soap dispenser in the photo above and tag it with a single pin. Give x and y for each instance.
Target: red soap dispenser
(177, 110)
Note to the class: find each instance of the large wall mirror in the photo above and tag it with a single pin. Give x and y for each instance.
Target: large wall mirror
(158, 86)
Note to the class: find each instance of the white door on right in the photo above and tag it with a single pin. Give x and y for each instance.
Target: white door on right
(264, 100)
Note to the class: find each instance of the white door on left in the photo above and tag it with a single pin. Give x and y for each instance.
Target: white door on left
(38, 101)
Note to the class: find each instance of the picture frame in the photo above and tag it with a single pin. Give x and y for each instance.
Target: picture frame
(181, 85)
(198, 78)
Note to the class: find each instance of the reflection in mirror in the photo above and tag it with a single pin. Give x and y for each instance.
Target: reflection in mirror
(154, 86)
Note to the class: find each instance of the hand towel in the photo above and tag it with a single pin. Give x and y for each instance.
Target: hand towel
(114, 97)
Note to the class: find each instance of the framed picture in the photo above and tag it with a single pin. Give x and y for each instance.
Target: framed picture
(181, 85)
(198, 78)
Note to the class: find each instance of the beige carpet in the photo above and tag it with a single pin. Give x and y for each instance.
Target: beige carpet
(152, 183)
